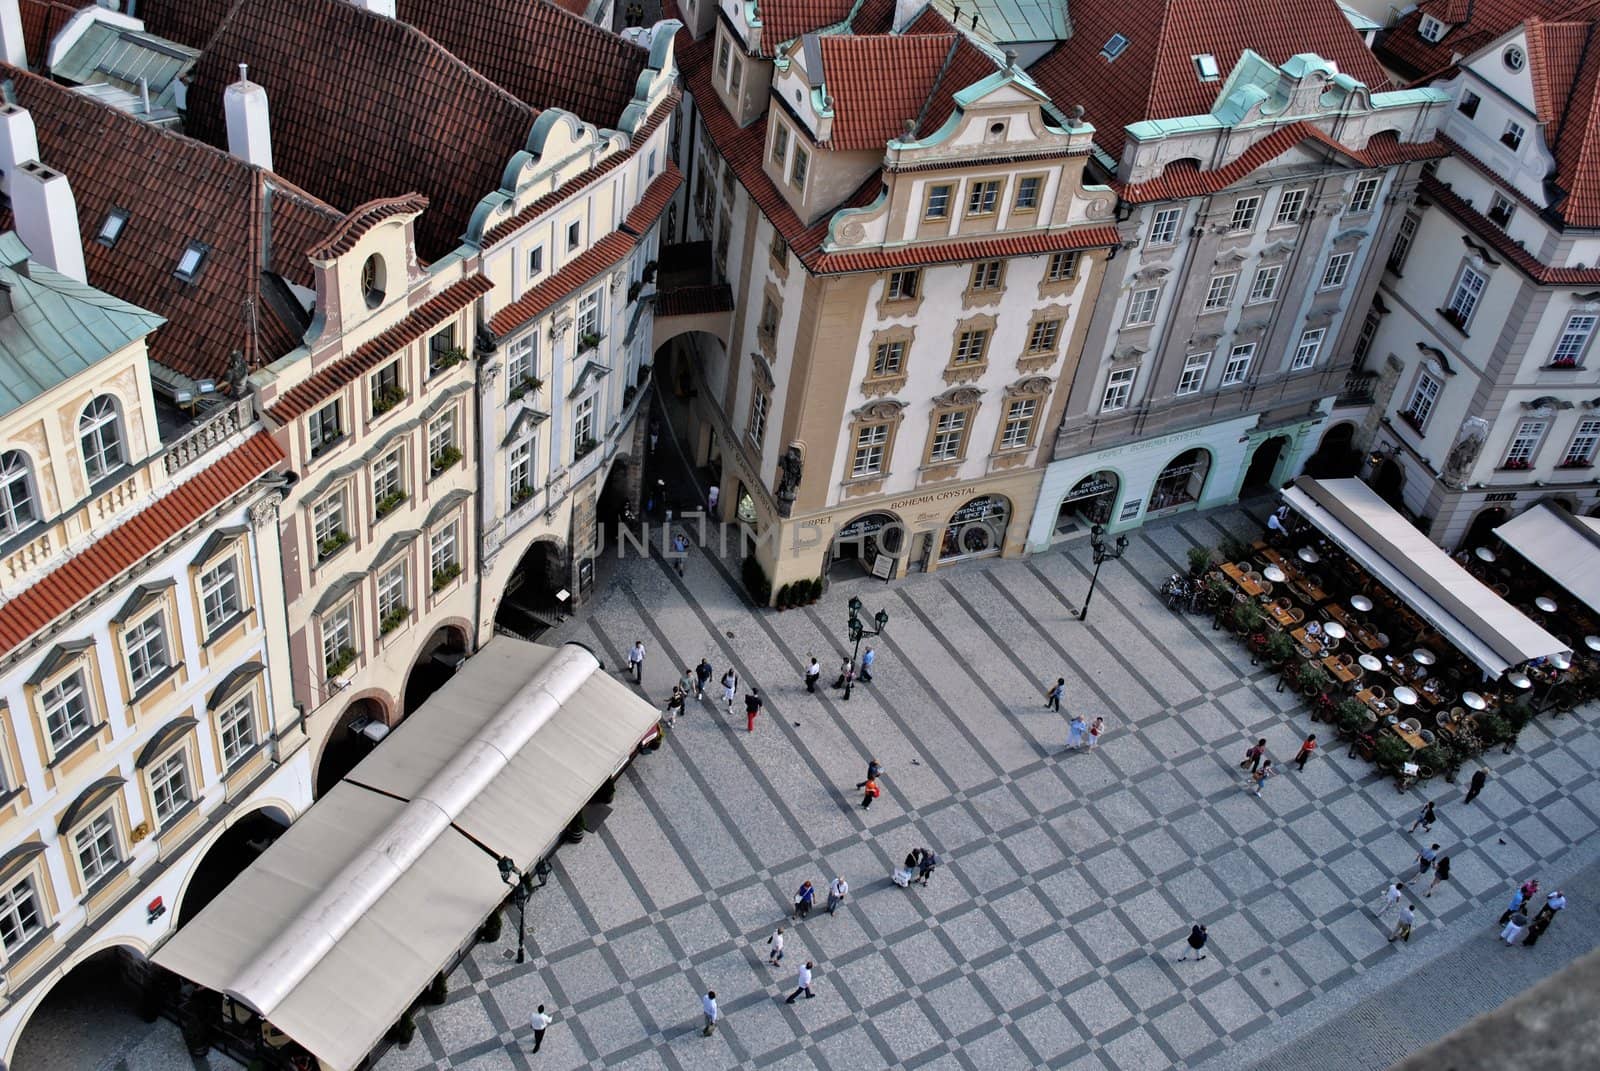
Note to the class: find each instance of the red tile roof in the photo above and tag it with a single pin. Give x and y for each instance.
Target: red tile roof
(1472, 24)
(654, 200)
(1032, 244)
(1565, 67)
(1555, 54)
(364, 218)
(41, 19)
(784, 20)
(177, 190)
(418, 322)
(91, 569)
(1502, 243)
(1155, 76)
(602, 256)
(879, 82)
(188, 22)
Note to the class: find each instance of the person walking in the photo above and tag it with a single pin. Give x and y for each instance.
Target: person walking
(870, 791)
(1254, 755)
(838, 889)
(680, 552)
(686, 682)
(1403, 924)
(1052, 698)
(540, 1023)
(1424, 862)
(1391, 898)
(1425, 819)
(1441, 873)
(730, 687)
(702, 677)
(903, 876)
(802, 982)
(1259, 776)
(930, 860)
(1518, 898)
(713, 496)
(813, 671)
(868, 657)
(1479, 779)
(752, 707)
(1554, 904)
(874, 771)
(674, 706)
(1198, 936)
(1514, 927)
(804, 897)
(847, 673)
(708, 1005)
(1306, 748)
(775, 947)
(1530, 889)
(1096, 727)
(1075, 730)
(636, 661)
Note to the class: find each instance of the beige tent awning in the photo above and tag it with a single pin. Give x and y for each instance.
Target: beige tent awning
(1482, 625)
(333, 932)
(1563, 547)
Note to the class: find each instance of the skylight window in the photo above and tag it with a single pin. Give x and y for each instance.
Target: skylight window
(1114, 46)
(111, 227)
(194, 255)
(1205, 66)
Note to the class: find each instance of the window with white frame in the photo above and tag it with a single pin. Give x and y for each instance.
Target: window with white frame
(1580, 451)
(888, 358)
(1238, 363)
(1017, 431)
(1142, 307)
(1028, 193)
(16, 493)
(1219, 291)
(986, 275)
(1468, 105)
(1337, 271)
(1464, 296)
(385, 388)
(522, 364)
(1194, 373)
(339, 637)
(1404, 236)
(799, 167)
(1164, 226)
(323, 428)
(1501, 209)
(1511, 137)
(392, 606)
(236, 728)
(327, 524)
(938, 203)
(21, 918)
(1290, 205)
(444, 555)
(736, 78)
(1062, 266)
(443, 353)
(144, 646)
(1364, 337)
(760, 403)
(971, 346)
(583, 425)
(1119, 388)
(1245, 211)
(982, 196)
(169, 786)
(519, 470)
(1431, 29)
(724, 57)
(949, 434)
(100, 436)
(780, 144)
(220, 601)
(1044, 335)
(442, 449)
(388, 483)
(589, 316)
(66, 709)
(1366, 194)
(96, 848)
(1574, 340)
(1524, 443)
(903, 285)
(1305, 354)
(1264, 287)
(867, 457)
(1424, 396)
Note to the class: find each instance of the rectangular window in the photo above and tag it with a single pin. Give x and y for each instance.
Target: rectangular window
(1423, 398)
(1028, 193)
(1465, 295)
(169, 786)
(1519, 455)
(388, 491)
(519, 470)
(1264, 287)
(583, 427)
(327, 524)
(1194, 373)
(970, 346)
(588, 323)
(574, 235)
(1044, 336)
(779, 250)
(1365, 195)
(1573, 341)
(1305, 354)
(1017, 431)
(723, 56)
(324, 428)
(442, 557)
(1404, 236)
(1363, 346)
(760, 402)
(735, 78)
(339, 638)
(1430, 29)
(386, 389)
(888, 358)
(1580, 452)
(442, 450)
(1501, 209)
(1469, 103)
(20, 917)
(1290, 205)
(1338, 269)
(1119, 388)
(982, 196)
(867, 458)
(1512, 136)
(443, 353)
(236, 726)
(1238, 366)
(949, 433)
(66, 711)
(522, 364)
(1164, 227)
(768, 324)
(536, 262)
(986, 275)
(96, 848)
(1142, 307)
(780, 144)
(1219, 292)
(145, 645)
(219, 594)
(392, 596)
(1062, 266)
(799, 168)
(903, 284)
(1245, 210)
(938, 206)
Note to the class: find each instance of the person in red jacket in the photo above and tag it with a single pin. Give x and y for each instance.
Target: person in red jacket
(870, 792)
(752, 707)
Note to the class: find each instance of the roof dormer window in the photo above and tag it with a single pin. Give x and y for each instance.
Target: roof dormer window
(1205, 65)
(1115, 45)
(1514, 58)
(111, 227)
(1431, 29)
(194, 255)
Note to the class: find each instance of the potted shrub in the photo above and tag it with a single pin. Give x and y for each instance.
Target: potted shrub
(1258, 646)
(442, 577)
(1313, 679)
(336, 541)
(387, 504)
(588, 341)
(756, 582)
(782, 600)
(386, 398)
(1199, 560)
(1220, 593)
(1234, 549)
(1247, 618)
(1492, 728)
(403, 1031)
(1390, 752)
(521, 493)
(393, 620)
(1280, 647)
(444, 459)
(441, 360)
(584, 448)
(437, 990)
(1351, 716)
(340, 661)
(525, 385)
(489, 932)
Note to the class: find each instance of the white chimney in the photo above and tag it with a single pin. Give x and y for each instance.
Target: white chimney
(377, 7)
(906, 12)
(244, 104)
(46, 217)
(13, 49)
(19, 142)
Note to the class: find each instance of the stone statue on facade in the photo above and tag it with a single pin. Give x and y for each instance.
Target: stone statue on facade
(790, 467)
(1464, 454)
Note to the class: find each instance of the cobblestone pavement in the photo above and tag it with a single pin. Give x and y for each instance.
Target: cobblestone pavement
(1049, 937)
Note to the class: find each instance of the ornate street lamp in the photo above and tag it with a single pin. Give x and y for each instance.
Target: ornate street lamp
(520, 891)
(1103, 552)
(858, 630)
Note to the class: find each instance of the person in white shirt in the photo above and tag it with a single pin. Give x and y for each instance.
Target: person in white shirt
(1391, 898)
(775, 956)
(708, 1004)
(541, 1023)
(636, 661)
(803, 983)
(838, 889)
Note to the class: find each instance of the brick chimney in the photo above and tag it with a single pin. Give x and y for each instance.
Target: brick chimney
(19, 142)
(46, 217)
(244, 105)
(13, 48)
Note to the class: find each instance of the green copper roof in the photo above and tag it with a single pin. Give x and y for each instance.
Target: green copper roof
(53, 327)
(1005, 21)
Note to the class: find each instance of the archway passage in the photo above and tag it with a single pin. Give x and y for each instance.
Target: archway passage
(358, 731)
(1336, 455)
(1263, 464)
(977, 529)
(1390, 481)
(95, 1016)
(226, 859)
(1480, 533)
(532, 602)
(616, 504)
(858, 545)
(1089, 503)
(1182, 481)
(441, 656)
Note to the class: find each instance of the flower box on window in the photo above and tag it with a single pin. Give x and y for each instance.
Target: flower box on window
(387, 398)
(330, 546)
(588, 341)
(1517, 465)
(1410, 417)
(521, 494)
(583, 448)
(442, 577)
(526, 385)
(445, 359)
(444, 459)
(393, 619)
(1563, 362)
(1576, 463)
(341, 661)
(389, 502)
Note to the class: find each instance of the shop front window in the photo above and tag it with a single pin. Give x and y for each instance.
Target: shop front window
(1182, 480)
(977, 528)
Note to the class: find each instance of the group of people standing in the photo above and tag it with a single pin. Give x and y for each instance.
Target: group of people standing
(1516, 927)
(1080, 733)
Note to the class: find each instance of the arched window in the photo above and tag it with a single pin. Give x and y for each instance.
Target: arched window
(100, 435)
(16, 493)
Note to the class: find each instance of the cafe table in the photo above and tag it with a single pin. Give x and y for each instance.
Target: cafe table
(1242, 582)
(1306, 640)
(1338, 670)
(1284, 617)
(1414, 739)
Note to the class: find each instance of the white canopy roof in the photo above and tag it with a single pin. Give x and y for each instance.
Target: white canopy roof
(1565, 548)
(333, 932)
(1482, 625)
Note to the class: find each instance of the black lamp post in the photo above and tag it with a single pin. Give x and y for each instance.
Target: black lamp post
(520, 891)
(1103, 552)
(858, 630)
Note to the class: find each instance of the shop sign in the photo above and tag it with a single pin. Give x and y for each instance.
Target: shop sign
(1090, 487)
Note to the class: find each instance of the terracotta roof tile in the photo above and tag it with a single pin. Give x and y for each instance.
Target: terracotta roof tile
(1555, 53)
(1472, 24)
(784, 20)
(41, 19)
(188, 22)
(176, 191)
(1154, 77)
(364, 218)
(602, 256)
(1502, 243)
(1034, 244)
(879, 82)
(654, 200)
(418, 322)
(114, 553)
(694, 300)
(1577, 148)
